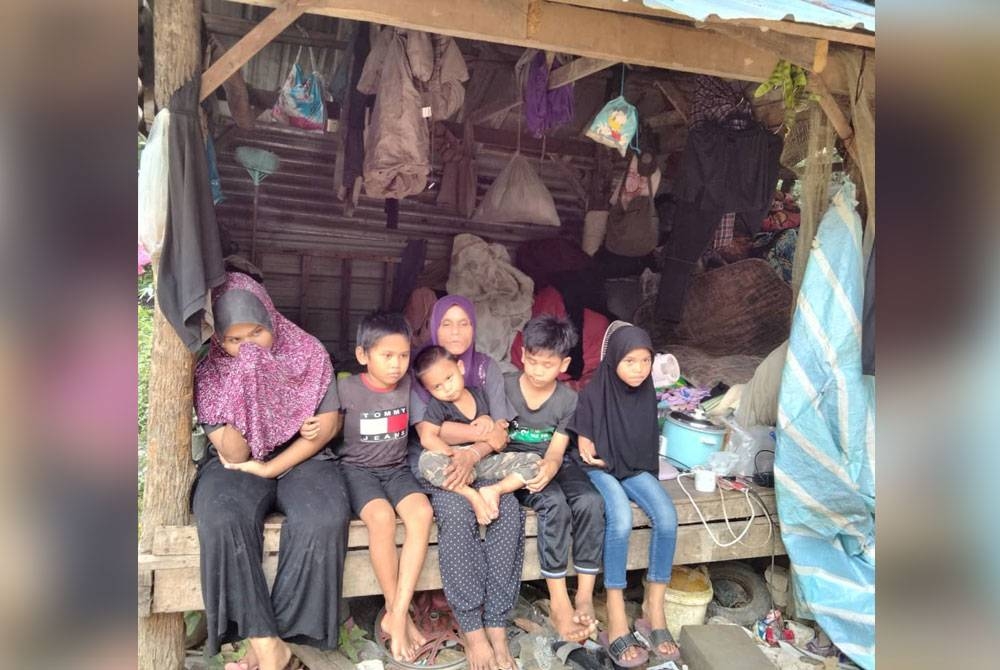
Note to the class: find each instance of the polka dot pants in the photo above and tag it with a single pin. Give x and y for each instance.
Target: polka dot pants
(481, 577)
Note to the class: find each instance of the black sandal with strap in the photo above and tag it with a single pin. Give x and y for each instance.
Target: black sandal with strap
(618, 648)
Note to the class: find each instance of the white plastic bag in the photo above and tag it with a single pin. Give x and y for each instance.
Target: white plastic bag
(746, 443)
(154, 169)
(517, 195)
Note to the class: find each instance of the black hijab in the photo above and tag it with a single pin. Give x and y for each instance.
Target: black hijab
(618, 419)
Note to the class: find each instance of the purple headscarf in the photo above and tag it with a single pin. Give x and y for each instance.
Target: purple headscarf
(475, 363)
(266, 394)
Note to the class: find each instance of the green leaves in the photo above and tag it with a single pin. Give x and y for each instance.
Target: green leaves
(350, 636)
(792, 81)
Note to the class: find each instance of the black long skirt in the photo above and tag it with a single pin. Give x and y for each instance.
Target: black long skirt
(303, 606)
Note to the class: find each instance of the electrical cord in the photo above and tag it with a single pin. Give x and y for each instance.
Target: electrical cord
(737, 537)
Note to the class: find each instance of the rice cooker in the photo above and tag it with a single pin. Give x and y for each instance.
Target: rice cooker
(689, 439)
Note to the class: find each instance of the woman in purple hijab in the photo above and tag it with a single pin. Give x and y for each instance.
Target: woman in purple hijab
(481, 577)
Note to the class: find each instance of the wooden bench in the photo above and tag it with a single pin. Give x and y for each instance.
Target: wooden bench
(169, 579)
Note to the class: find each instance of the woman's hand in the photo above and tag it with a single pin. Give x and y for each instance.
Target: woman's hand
(483, 425)
(310, 428)
(250, 467)
(498, 437)
(459, 471)
(588, 452)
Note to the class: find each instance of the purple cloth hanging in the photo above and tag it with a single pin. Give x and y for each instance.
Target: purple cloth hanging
(545, 110)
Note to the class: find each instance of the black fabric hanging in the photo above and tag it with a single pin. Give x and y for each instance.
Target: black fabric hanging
(191, 262)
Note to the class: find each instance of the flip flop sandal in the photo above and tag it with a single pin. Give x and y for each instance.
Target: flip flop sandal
(620, 646)
(576, 656)
(656, 637)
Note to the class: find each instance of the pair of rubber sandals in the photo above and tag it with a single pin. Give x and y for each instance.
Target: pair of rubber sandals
(645, 638)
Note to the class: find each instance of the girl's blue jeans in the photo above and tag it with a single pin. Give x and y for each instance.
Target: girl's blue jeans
(646, 491)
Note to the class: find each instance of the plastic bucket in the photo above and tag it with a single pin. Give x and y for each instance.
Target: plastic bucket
(686, 599)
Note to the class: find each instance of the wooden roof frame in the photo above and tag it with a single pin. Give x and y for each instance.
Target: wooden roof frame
(602, 36)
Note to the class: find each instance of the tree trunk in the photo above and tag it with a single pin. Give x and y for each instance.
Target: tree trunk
(169, 470)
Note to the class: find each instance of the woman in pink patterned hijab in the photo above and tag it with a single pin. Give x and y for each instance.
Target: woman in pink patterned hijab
(268, 398)
(263, 374)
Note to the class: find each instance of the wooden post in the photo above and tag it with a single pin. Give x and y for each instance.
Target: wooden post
(169, 473)
(169, 470)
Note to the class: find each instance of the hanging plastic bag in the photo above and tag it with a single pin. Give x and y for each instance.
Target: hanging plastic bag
(615, 125)
(518, 195)
(154, 168)
(300, 100)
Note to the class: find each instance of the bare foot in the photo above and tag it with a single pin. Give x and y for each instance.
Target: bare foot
(584, 614)
(416, 635)
(401, 646)
(491, 494)
(248, 662)
(481, 508)
(272, 652)
(501, 652)
(564, 620)
(478, 652)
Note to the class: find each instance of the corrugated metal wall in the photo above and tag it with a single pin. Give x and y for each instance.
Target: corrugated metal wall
(299, 216)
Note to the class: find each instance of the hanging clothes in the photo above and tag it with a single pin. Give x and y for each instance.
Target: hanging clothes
(718, 100)
(397, 146)
(824, 461)
(722, 171)
(544, 109)
(191, 260)
(458, 178)
(446, 88)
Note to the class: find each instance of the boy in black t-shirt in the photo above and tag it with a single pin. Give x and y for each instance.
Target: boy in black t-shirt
(566, 502)
(380, 484)
(451, 400)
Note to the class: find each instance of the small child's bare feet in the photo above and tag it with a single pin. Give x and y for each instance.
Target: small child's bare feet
(491, 494)
(416, 635)
(481, 508)
(401, 646)
(584, 615)
(501, 652)
(564, 620)
(479, 653)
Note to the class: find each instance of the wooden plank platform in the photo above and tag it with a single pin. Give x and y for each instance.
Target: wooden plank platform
(169, 578)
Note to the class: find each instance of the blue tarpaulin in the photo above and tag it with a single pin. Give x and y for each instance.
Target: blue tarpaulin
(824, 462)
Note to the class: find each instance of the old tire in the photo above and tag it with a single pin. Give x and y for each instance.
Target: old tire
(755, 601)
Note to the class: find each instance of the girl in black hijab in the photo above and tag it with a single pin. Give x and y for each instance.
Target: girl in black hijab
(616, 426)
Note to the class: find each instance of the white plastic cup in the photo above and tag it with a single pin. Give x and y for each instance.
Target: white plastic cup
(704, 480)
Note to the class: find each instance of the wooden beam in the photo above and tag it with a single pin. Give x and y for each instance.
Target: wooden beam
(529, 145)
(487, 112)
(675, 97)
(578, 69)
(236, 27)
(861, 39)
(572, 30)
(840, 121)
(820, 56)
(255, 40)
(797, 50)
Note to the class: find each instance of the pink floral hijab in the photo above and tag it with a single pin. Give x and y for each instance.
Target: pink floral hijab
(266, 394)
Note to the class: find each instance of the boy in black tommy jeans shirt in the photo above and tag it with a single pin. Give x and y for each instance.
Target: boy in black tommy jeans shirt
(566, 502)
